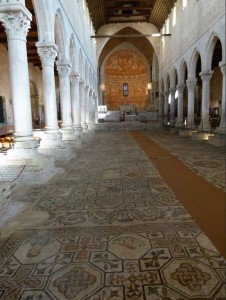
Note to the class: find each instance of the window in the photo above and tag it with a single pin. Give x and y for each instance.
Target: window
(2, 111)
(125, 89)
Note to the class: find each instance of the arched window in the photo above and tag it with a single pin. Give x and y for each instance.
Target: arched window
(125, 89)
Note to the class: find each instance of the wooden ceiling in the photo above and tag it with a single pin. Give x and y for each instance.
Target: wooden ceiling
(119, 11)
(111, 11)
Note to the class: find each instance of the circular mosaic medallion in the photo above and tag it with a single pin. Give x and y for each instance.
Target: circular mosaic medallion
(207, 164)
(110, 201)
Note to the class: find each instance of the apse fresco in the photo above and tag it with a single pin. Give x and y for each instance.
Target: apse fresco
(125, 66)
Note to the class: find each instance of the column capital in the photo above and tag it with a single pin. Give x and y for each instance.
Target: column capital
(82, 83)
(47, 53)
(87, 88)
(63, 68)
(180, 87)
(172, 90)
(191, 83)
(74, 77)
(16, 22)
(166, 93)
(206, 75)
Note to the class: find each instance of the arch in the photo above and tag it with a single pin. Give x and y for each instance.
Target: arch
(210, 50)
(167, 83)
(59, 31)
(182, 72)
(73, 54)
(173, 78)
(193, 62)
(81, 66)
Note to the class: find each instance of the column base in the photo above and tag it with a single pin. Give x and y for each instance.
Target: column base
(218, 140)
(85, 128)
(201, 136)
(68, 134)
(221, 129)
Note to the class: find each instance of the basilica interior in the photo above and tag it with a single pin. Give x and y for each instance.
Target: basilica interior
(112, 149)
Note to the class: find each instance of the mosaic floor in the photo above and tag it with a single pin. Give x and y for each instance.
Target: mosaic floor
(109, 228)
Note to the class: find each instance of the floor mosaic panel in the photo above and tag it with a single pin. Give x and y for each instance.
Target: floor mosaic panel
(109, 228)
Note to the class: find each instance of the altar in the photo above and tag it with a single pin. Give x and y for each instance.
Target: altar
(128, 109)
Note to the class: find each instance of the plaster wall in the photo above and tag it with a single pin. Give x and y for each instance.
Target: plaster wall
(35, 76)
(195, 25)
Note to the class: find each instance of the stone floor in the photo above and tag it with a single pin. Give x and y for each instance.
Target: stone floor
(111, 228)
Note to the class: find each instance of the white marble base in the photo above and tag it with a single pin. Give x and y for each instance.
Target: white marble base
(35, 169)
(218, 140)
(5, 193)
(58, 153)
(185, 132)
(200, 136)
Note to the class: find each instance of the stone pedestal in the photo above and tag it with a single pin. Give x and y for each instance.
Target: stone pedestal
(199, 136)
(218, 140)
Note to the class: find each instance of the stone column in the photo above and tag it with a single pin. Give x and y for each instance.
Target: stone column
(191, 84)
(222, 127)
(82, 105)
(64, 68)
(180, 105)
(172, 106)
(52, 137)
(206, 76)
(87, 96)
(166, 107)
(84, 108)
(75, 102)
(16, 21)
(161, 108)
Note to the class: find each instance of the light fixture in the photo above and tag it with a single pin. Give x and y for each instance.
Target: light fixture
(129, 35)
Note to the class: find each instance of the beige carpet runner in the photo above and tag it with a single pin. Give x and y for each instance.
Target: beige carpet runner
(204, 202)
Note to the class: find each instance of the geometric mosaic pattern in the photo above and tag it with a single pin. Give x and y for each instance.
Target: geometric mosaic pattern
(109, 228)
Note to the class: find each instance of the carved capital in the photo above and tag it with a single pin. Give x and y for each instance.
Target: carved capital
(172, 91)
(82, 83)
(206, 76)
(63, 68)
(166, 94)
(180, 88)
(47, 53)
(16, 24)
(74, 77)
(191, 83)
(87, 88)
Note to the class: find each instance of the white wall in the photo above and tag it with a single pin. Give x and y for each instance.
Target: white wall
(195, 24)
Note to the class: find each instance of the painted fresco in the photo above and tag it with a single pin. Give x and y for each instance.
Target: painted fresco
(125, 66)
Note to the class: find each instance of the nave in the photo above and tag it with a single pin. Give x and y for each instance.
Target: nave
(110, 227)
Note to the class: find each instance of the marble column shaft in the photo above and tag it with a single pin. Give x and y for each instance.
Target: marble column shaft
(82, 104)
(64, 68)
(172, 106)
(75, 102)
(180, 104)
(191, 84)
(161, 107)
(48, 53)
(166, 107)
(206, 77)
(16, 26)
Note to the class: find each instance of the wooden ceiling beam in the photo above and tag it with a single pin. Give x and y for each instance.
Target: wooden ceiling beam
(129, 7)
